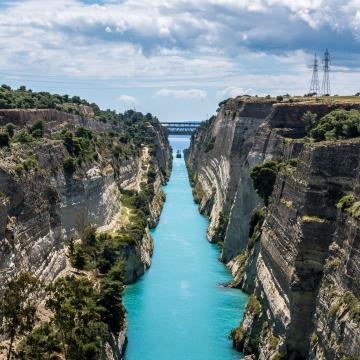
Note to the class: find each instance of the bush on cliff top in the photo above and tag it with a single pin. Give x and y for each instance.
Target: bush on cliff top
(264, 177)
(338, 124)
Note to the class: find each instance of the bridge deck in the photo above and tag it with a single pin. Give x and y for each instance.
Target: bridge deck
(181, 128)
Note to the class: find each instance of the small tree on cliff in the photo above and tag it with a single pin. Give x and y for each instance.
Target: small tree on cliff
(310, 121)
(264, 177)
(18, 307)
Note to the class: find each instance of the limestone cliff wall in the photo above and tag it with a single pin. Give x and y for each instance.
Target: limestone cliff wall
(41, 207)
(217, 156)
(305, 257)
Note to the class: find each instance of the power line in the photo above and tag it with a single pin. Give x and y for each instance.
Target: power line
(326, 90)
(315, 84)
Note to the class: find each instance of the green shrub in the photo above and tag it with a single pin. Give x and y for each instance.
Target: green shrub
(89, 236)
(333, 264)
(209, 145)
(77, 316)
(43, 343)
(4, 139)
(23, 137)
(79, 259)
(264, 177)
(10, 129)
(70, 166)
(314, 339)
(253, 306)
(346, 202)
(279, 356)
(310, 121)
(29, 163)
(338, 124)
(273, 342)
(220, 231)
(37, 130)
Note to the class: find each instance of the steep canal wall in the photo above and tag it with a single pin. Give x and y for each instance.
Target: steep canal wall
(297, 256)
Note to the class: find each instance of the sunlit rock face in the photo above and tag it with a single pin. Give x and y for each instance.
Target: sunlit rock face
(305, 259)
(41, 207)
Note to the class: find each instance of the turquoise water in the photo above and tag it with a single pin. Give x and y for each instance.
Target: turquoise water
(177, 310)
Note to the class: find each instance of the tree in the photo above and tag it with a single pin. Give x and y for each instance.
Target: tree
(10, 129)
(73, 301)
(70, 166)
(78, 260)
(43, 343)
(264, 177)
(18, 306)
(4, 139)
(310, 121)
(37, 130)
(89, 236)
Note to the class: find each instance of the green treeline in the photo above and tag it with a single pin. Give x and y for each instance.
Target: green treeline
(83, 314)
(338, 124)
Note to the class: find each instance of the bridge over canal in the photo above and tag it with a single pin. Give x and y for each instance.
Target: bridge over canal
(181, 128)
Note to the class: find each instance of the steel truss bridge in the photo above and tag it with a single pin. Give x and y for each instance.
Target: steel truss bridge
(181, 128)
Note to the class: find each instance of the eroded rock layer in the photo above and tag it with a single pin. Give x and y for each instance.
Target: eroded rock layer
(42, 205)
(301, 264)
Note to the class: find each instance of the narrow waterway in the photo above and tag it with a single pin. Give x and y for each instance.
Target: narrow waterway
(177, 310)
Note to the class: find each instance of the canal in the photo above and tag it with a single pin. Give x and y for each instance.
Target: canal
(177, 310)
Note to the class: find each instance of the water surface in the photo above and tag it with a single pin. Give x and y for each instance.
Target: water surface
(177, 310)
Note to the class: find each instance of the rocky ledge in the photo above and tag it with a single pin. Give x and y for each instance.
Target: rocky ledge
(61, 174)
(297, 257)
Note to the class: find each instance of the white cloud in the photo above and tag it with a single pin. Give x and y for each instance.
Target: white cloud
(128, 99)
(183, 94)
(233, 91)
(172, 43)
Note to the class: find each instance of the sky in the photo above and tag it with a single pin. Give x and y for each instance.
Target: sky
(177, 58)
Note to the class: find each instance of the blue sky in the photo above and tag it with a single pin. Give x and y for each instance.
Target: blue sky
(176, 58)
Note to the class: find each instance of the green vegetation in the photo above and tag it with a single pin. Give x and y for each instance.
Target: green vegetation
(333, 264)
(209, 145)
(42, 343)
(279, 356)
(4, 139)
(238, 336)
(346, 202)
(310, 121)
(256, 222)
(23, 137)
(264, 177)
(273, 342)
(253, 306)
(18, 307)
(37, 130)
(70, 166)
(314, 339)
(23, 98)
(10, 129)
(338, 124)
(349, 304)
(349, 204)
(220, 231)
(83, 312)
(77, 317)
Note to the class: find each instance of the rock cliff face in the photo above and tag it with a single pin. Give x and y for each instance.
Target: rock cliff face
(216, 157)
(41, 206)
(302, 266)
